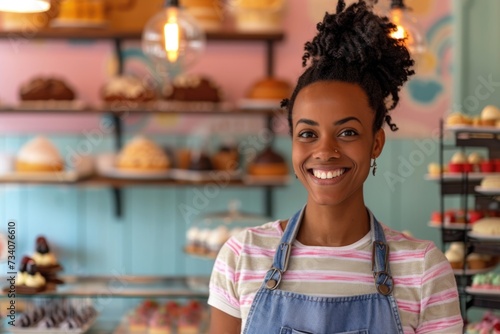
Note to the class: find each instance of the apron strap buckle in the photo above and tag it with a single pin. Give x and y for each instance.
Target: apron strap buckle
(273, 278)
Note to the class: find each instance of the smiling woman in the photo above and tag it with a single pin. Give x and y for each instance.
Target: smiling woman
(332, 267)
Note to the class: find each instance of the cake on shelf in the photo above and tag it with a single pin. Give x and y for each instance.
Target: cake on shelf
(127, 88)
(45, 89)
(142, 154)
(39, 155)
(226, 158)
(192, 88)
(268, 163)
(209, 14)
(270, 88)
(258, 15)
(46, 260)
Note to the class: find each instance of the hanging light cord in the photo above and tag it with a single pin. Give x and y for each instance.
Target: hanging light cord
(398, 4)
(171, 3)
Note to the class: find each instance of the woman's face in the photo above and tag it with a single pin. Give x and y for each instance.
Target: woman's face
(333, 140)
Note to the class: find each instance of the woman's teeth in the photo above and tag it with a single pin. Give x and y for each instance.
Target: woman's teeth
(320, 174)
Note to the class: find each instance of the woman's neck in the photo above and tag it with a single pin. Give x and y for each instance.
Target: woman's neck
(334, 226)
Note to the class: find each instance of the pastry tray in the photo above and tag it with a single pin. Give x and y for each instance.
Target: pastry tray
(30, 330)
(259, 104)
(205, 176)
(82, 170)
(106, 167)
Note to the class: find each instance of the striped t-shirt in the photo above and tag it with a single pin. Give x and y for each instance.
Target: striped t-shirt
(424, 285)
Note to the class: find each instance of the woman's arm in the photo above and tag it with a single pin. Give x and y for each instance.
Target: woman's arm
(223, 323)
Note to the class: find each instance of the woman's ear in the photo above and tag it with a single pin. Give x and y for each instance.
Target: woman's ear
(379, 142)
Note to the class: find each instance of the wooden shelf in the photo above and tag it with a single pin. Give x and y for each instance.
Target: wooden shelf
(97, 111)
(105, 34)
(130, 286)
(99, 181)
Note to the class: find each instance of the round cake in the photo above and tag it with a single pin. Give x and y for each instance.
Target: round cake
(270, 89)
(142, 154)
(227, 158)
(192, 88)
(487, 226)
(491, 182)
(268, 163)
(490, 115)
(42, 89)
(127, 88)
(39, 155)
(209, 14)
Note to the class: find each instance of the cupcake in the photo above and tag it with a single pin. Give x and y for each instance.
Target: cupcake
(458, 163)
(455, 255)
(490, 115)
(39, 155)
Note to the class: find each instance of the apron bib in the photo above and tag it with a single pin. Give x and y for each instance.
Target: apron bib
(275, 311)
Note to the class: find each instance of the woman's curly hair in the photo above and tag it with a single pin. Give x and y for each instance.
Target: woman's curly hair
(354, 45)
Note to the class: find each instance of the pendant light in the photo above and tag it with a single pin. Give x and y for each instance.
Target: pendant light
(407, 27)
(24, 6)
(173, 37)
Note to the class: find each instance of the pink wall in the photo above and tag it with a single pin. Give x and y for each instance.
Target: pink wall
(87, 65)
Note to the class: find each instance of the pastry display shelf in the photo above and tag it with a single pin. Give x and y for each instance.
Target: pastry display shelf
(226, 34)
(485, 247)
(128, 287)
(483, 301)
(100, 181)
(119, 112)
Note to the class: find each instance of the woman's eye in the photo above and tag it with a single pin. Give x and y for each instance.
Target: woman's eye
(348, 133)
(306, 134)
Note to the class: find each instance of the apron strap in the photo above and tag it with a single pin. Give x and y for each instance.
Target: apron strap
(282, 254)
(380, 255)
(380, 260)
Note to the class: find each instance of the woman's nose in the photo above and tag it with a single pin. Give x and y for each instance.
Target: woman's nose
(326, 150)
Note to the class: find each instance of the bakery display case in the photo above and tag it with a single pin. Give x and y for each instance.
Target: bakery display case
(127, 293)
(472, 232)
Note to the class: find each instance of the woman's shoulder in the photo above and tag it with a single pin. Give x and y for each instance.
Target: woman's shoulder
(403, 241)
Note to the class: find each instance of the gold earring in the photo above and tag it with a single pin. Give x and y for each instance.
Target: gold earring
(374, 166)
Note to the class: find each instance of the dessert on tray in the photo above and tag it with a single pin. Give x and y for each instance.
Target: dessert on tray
(127, 88)
(39, 155)
(46, 88)
(46, 260)
(268, 163)
(142, 154)
(192, 88)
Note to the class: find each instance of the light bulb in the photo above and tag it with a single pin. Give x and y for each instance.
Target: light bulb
(407, 29)
(24, 6)
(173, 37)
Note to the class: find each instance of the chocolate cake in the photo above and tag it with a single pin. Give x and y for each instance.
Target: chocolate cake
(192, 88)
(43, 89)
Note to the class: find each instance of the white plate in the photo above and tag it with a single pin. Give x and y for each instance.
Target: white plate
(458, 176)
(463, 127)
(106, 167)
(83, 169)
(216, 176)
(266, 180)
(485, 237)
(194, 106)
(51, 105)
(450, 226)
(478, 291)
(487, 191)
(259, 104)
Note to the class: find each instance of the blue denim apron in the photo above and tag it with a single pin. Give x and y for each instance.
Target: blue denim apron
(275, 311)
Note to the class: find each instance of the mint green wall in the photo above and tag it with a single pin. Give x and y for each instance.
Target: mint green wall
(149, 238)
